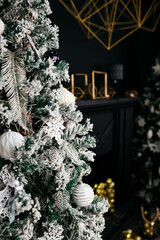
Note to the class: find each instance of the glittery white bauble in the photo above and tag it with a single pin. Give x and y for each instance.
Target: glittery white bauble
(1, 26)
(83, 195)
(65, 97)
(149, 134)
(9, 141)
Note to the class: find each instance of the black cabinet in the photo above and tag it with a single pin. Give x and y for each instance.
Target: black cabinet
(113, 128)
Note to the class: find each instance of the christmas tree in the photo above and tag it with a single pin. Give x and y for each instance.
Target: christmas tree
(45, 150)
(147, 141)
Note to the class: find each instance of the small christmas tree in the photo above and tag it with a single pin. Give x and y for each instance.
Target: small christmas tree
(44, 149)
(147, 141)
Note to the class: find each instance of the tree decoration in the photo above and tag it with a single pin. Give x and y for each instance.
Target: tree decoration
(13, 199)
(54, 231)
(106, 190)
(64, 96)
(1, 27)
(13, 75)
(37, 183)
(53, 54)
(9, 141)
(147, 142)
(31, 43)
(53, 158)
(156, 68)
(149, 134)
(28, 124)
(152, 109)
(83, 195)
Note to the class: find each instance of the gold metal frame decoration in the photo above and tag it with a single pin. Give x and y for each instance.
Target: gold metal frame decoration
(102, 18)
(94, 86)
(91, 88)
(111, 92)
(73, 80)
(78, 92)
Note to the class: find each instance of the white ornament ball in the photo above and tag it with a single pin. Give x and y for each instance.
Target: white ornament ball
(65, 97)
(149, 134)
(1, 27)
(9, 141)
(152, 109)
(139, 154)
(83, 195)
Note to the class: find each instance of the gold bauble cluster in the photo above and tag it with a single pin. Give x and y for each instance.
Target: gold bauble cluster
(106, 190)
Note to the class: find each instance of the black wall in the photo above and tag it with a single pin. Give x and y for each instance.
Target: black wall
(137, 52)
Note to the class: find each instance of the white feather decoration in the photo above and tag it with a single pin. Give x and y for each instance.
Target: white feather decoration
(13, 74)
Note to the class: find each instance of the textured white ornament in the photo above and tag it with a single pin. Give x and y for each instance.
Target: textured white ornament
(1, 27)
(149, 134)
(152, 109)
(141, 122)
(139, 154)
(9, 141)
(83, 195)
(65, 97)
(158, 133)
(156, 68)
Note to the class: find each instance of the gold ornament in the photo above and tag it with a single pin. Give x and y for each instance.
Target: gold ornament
(149, 225)
(129, 235)
(131, 93)
(101, 19)
(137, 238)
(106, 190)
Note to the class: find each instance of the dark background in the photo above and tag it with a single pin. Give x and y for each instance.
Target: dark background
(137, 52)
(113, 123)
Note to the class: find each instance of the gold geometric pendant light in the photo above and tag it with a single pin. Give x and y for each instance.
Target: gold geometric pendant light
(111, 21)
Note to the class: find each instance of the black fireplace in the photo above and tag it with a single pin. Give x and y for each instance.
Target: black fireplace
(113, 129)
